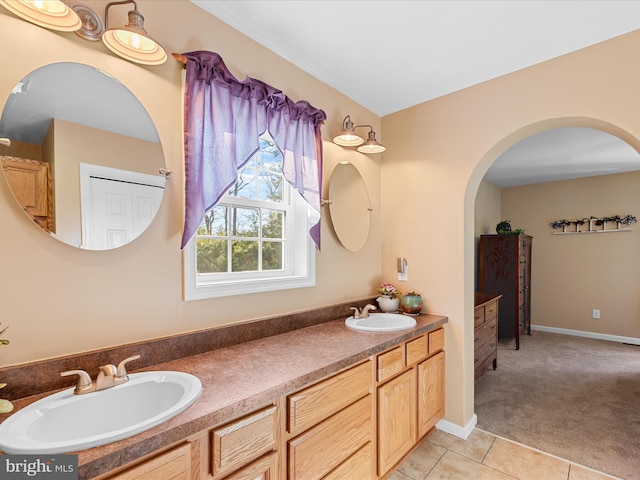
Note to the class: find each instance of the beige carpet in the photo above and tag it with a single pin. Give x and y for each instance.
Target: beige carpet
(577, 398)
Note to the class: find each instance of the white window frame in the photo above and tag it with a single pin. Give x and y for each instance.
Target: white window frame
(299, 269)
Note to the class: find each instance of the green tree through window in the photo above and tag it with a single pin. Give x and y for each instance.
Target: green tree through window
(246, 230)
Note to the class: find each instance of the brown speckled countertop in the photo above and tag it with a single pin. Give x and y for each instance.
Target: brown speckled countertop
(239, 379)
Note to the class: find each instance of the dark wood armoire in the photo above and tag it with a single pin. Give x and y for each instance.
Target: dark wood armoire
(505, 269)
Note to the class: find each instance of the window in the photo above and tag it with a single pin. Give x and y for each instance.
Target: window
(255, 238)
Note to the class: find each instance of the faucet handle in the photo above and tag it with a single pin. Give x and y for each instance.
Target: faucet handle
(122, 371)
(84, 380)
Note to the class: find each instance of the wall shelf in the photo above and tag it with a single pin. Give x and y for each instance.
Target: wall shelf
(594, 225)
(593, 231)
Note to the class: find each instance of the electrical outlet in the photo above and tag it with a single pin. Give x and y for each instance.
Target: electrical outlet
(595, 313)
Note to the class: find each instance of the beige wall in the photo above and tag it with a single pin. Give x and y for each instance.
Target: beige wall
(573, 274)
(59, 300)
(438, 152)
(74, 144)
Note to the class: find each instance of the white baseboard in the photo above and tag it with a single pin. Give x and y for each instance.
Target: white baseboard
(580, 333)
(457, 430)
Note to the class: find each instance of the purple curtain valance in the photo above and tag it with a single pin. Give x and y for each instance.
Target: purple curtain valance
(224, 118)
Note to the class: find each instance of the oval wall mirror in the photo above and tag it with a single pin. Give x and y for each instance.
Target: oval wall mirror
(349, 206)
(82, 156)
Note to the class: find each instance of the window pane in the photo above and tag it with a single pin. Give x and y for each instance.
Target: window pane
(245, 187)
(244, 255)
(214, 222)
(272, 256)
(272, 224)
(244, 222)
(211, 255)
(270, 186)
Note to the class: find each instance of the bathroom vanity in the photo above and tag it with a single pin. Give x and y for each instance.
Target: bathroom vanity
(321, 402)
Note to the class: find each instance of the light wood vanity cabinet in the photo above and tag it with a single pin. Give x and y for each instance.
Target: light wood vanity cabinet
(412, 401)
(174, 464)
(243, 449)
(356, 424)
(329, 426)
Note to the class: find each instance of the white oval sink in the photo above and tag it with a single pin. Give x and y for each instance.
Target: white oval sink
(64, 422)
(381, 322)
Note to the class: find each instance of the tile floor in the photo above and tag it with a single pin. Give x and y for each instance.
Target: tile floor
(483, 456)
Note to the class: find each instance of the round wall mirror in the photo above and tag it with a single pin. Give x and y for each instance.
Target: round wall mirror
(349, 206)
(82, 156)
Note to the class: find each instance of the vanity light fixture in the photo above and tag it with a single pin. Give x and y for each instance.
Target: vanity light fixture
(51, 14)
(371, 145)
(349, 138)
(132, 41)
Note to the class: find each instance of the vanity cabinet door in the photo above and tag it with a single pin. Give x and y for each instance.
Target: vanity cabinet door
(396, 419)
(430, 393)
(172, 465)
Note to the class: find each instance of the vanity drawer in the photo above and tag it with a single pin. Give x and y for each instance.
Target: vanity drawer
(482, 334)
(317, 402)
(390, 363)
(318, 451)
(357, 465)
(436, 340)
(174, 464)
(417, 349)
(490, 311)
(243, 440)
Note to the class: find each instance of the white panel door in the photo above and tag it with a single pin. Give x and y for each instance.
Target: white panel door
(115, 211)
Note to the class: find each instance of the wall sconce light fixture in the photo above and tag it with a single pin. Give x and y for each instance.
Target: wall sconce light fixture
(349, 138)
(51, 14)
(131, 42)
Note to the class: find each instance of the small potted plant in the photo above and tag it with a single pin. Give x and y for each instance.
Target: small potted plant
(411, 303)
(5, 405)
(388, 300)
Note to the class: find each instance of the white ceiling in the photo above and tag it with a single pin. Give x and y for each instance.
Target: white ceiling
(429, 48)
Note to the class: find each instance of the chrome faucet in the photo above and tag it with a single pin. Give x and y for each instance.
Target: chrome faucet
(364, 313)
(108, 376)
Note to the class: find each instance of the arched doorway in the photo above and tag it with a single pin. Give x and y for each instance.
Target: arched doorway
(578, 272)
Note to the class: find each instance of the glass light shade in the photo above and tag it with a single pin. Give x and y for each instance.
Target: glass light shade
(133, 43)
(371, 145)
(348, 138)
(51, 14)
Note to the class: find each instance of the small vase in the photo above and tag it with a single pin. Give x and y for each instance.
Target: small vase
(388, 304)
(411, 304)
